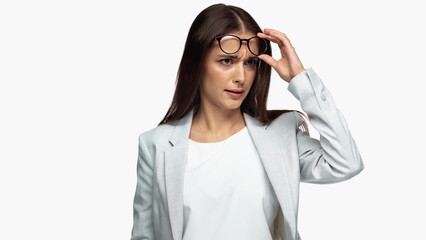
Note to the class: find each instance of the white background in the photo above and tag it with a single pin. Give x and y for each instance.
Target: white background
(81, 79)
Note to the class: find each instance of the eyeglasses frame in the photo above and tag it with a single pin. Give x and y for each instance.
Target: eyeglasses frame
(218, 38)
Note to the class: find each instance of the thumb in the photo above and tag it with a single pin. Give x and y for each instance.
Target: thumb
(268, 59)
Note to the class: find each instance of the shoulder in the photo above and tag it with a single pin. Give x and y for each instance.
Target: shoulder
(157, 135)
(286, 120)
(286, 117)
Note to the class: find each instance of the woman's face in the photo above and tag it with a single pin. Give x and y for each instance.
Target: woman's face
(224, 72)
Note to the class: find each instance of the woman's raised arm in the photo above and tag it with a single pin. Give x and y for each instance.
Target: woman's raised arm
(335, 157)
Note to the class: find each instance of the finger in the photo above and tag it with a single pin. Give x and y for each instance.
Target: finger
(270, 30)
(283, 40)
(280, 44)
(271, 38)
(285, 51)
(268, 59)
(283, 37)
(277, 40)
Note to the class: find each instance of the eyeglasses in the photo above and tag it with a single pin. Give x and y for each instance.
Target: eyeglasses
(232, 44)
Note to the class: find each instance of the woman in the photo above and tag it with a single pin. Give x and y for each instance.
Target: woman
(222, 166)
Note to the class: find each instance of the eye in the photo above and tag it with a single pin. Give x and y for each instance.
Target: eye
(252, 62)
(222, 60)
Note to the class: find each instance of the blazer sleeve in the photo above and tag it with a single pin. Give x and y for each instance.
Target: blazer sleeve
(335, 156)
(142, 203)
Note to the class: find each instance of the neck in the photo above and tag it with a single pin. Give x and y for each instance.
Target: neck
(218, 121)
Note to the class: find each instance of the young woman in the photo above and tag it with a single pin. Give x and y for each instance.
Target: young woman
(222, 166)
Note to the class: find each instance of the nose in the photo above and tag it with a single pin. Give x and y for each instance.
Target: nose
(240, 71)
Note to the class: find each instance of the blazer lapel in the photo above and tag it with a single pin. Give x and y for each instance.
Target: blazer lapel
(268, 145)
(174, 163)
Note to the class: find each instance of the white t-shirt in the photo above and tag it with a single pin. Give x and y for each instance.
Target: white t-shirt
(227, 194)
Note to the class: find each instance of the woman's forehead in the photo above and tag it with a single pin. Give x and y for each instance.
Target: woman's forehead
(242, 34)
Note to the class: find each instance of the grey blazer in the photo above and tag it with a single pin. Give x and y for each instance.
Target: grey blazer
(289, 156)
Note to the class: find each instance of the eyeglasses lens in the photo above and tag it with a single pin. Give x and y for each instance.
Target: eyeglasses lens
(230, 44)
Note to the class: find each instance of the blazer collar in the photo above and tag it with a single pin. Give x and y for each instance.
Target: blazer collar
(183, 127)
(269, 146)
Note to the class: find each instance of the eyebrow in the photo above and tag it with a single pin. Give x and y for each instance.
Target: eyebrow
(235, 57)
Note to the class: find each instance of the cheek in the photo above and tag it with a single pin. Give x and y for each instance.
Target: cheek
(215, 76)
(215, 71)
(251, 75)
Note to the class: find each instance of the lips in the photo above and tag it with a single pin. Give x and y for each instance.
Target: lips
(234, 93)
(235, 90)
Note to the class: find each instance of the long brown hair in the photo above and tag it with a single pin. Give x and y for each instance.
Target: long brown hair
(219, 19)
